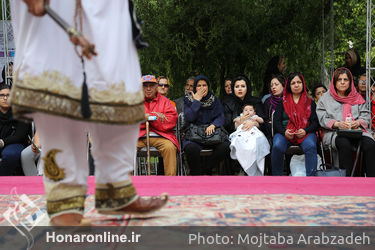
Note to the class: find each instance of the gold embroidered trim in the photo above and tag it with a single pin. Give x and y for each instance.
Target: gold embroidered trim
(111, 196)
(58, 84)
(59, 191)
(51, 169)
(27, 100)
(112, 192)
(73, 203)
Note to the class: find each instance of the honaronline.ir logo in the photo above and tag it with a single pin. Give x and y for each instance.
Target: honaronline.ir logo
(23, 214)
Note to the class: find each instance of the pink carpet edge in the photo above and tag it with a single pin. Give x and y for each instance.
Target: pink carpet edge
(217, 185)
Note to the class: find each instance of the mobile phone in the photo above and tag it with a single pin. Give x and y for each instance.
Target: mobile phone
(152, 118)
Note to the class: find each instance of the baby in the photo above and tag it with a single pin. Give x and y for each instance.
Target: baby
(248, 144)
(248, 114)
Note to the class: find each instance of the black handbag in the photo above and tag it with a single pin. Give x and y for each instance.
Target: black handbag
(350, 133)
(334, 171)
(197, 133)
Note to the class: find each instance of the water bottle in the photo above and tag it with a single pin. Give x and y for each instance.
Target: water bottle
(349, 120)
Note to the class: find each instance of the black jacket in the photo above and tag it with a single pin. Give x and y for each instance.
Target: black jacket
(13, 131)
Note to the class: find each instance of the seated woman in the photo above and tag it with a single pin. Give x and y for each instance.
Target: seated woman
(277, 84)
(201, 107)
(295, 123)
(241, 95)
(342, 101)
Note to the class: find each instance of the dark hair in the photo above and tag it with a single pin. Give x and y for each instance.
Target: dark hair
(339, 72)
(4, 86)
(290, 78)
(249, 104)
(162, 77)
(222, 89)
(318, 85)
(244, 78)
(280, 78)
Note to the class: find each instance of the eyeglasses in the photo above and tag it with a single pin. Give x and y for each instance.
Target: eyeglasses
(2, 96)
(163, 85)
(362, 81)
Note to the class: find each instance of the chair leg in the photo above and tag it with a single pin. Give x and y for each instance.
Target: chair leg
(356, 159)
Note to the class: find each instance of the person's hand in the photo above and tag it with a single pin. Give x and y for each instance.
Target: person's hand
(87, 48)
(244, 118)
(36, 147)
(36, 7)
(210, 129)
(160, 116)
(289, 134)
(342, 125)
(300, 133)
(147, 115)
(355, 124)
(247, 125)
(199, 94)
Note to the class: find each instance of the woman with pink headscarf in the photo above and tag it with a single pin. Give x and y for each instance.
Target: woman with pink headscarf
(342, 107)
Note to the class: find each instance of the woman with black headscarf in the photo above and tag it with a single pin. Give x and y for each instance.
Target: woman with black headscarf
(201, 107)
(241, 95)
(275, 66)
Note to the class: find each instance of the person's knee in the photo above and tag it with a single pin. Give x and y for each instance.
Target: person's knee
(11, 155)
(168, 147)
(278, 146)
(309, 145)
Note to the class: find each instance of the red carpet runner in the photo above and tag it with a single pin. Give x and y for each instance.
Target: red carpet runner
(219, 185)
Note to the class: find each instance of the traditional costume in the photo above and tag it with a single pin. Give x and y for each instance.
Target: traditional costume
(48, 89)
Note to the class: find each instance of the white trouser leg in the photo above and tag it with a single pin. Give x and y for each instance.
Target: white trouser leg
(113, 150)
(64, 162)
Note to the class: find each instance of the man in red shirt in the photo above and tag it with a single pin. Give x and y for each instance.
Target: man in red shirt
(162, 135)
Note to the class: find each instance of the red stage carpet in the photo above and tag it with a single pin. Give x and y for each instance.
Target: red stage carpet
(219, 185)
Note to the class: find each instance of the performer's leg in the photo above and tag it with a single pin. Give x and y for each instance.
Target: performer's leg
(65, 167)
(114, 150)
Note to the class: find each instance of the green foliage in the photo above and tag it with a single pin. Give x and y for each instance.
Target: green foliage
(221, 38)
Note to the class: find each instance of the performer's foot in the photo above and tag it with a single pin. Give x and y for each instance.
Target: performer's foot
(142, 206)
(68, 219)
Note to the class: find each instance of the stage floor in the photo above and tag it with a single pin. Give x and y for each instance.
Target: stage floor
(219, 201)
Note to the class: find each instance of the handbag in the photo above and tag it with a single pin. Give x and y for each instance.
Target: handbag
(334, 171)
(197, 133)
(350, 133)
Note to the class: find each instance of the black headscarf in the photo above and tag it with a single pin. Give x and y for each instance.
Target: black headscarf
(272, 69)
(211, 107)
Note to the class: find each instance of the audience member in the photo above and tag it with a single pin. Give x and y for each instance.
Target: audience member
(162, 135)
(295, 123)
(241, 90)
(188, 88)
(163, 87)
(353, 63)
(249, 147)
(275, 66)
(13, 136)
(317, 92)
(362, 85)
(203, 108)
(226, 90)
(7, 78)
(344, 108)
(30, 157)
(277, 84)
